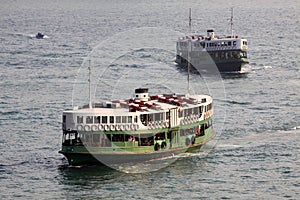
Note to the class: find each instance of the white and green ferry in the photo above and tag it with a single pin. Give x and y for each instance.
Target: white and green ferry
(228, 54)
(136, 129)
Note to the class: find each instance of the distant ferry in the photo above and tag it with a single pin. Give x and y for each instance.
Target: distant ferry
(136, 129)
(229, 53)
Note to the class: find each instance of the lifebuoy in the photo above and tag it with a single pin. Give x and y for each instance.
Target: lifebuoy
(156, 125)
(106, 127)
(112, 127)
(79, 127)
(166, 124)
(87, 128)
(94, 128)
(100, 128)
(132, 127)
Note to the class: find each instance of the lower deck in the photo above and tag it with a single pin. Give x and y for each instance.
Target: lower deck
(225, 61)
(121, 147)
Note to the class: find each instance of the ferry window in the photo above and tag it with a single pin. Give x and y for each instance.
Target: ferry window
(129, 119)
(196, 111)
(158, 116)
(111, 119)
(124, 119)
(79, 119)
(229, 43)
(185, 113)
(222, 55)
(202, 44)
(118, 119)
(64, 118)
(180, 114)
(135, 119)
(151, 117)
(97, 119)
(96, 140)
(167, 115)
(144, 118)
(235, 54)
(89, 119)
(160, 136)
(234, 43)
(104, 119)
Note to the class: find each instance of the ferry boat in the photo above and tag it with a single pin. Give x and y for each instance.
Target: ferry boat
(137, 129)
(229, 53)
(39, 35)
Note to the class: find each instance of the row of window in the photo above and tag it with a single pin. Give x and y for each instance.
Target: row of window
(106, 119)
(221, 44)
(212, 44)
(219, 55)
(229, 55)
(190, 111)
(144, 117)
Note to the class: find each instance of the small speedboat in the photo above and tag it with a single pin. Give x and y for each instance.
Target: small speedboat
(39, 35)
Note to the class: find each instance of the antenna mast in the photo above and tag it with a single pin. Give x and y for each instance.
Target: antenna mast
(89, 80)
(231, 23)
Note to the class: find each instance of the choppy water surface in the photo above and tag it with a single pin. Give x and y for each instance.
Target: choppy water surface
(132, 44)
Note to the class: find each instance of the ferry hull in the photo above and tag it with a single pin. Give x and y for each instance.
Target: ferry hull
(229, 66)
(78, 156)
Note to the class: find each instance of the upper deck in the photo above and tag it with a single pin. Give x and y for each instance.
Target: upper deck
(137, 112)
(211, 43)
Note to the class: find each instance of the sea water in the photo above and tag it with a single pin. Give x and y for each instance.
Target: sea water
(131, 44)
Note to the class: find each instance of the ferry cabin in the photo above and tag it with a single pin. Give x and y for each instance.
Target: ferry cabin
(141, 124)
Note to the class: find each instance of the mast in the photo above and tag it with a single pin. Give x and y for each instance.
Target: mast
(190, 48)
(231, 23)
(89, 80)
(190, 21)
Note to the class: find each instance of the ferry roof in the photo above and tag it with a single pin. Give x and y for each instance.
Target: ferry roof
(152, 106)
